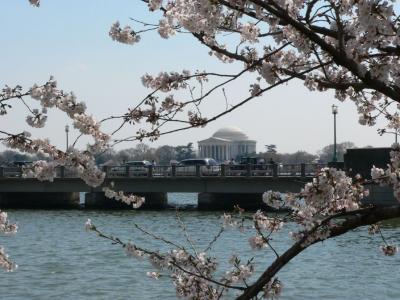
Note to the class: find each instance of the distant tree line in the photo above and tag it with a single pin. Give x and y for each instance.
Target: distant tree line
(9, 156)
(162, 155)
(165, 154)
(322, 156)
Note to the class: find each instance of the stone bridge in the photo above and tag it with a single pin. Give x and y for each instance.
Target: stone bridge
(217, 186)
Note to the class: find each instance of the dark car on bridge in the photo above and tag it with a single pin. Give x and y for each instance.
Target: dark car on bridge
(257, 166)
(132, 168)
(188, 167)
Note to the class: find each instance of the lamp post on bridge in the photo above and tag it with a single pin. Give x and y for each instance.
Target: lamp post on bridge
(334, 112)
(66, 134)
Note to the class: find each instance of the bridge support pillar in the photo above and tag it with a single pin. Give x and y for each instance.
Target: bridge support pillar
(99, 201)
(211, 201)
(39, 200)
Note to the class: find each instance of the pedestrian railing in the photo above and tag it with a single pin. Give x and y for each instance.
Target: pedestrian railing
(245, 170)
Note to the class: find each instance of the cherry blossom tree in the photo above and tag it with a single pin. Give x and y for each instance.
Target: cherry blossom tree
(351, 47)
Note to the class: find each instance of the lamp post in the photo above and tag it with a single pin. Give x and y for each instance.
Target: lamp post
(334, 112)
(66, 134)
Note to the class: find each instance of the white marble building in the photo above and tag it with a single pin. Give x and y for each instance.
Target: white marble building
(227, 143)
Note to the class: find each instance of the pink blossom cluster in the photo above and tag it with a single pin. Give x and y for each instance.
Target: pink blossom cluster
(189, 273)
(264, 222)
(193, 275)
(249, 32)
(81, 163)
(349, 46)
(133, 200)
(166, 81)
(365, 32)
(132, 250)
(6, 228)
(273, 289)
(49, 96)
(123, 35)
(331, 192)
(229, 221)
(257, 242)
(37, 120)
(390, 176)
(239, 272)
(389, 250)
(5, 263)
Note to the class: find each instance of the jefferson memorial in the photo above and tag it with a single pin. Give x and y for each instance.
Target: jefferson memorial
(227, 143)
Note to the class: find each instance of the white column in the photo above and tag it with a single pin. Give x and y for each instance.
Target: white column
(225, 154)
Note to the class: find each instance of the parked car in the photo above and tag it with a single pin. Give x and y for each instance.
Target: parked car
(257, 166)
(207, 167)
(22, 163)
(132, 168)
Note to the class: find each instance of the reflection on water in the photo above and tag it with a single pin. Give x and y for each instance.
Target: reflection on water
(59, 260)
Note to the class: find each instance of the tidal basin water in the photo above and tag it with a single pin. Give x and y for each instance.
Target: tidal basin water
(58, 260)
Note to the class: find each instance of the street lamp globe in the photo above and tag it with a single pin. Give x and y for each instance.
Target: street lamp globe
(334, 112)
(334, 109)
(66, 135)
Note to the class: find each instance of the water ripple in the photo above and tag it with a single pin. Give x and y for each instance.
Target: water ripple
(59, 260)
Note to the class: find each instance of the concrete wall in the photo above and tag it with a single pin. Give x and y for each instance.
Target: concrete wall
(97, 200)
(39, 200)
(227, 201)
(144, 185)
(380, 196)
(360, 161)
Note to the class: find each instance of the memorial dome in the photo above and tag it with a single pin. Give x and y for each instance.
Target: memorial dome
(232, 133)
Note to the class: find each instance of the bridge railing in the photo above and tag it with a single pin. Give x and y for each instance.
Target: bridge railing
(312, 169)
(296, 170)
(246, 170)
(63, 172)
(10, 171)
(161, 171)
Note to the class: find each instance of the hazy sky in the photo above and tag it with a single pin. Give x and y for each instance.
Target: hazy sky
(69, 40)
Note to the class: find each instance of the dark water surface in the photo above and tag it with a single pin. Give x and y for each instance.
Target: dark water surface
(58, 260)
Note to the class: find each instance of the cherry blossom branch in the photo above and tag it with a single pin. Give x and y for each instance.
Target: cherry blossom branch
(156, 237)
(172, 260)
(359, 218)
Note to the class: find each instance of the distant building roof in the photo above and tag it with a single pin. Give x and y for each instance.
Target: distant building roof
(231, 133)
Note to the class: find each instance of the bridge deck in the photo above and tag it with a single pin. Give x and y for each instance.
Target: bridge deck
(231, 184)
(192, 179)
